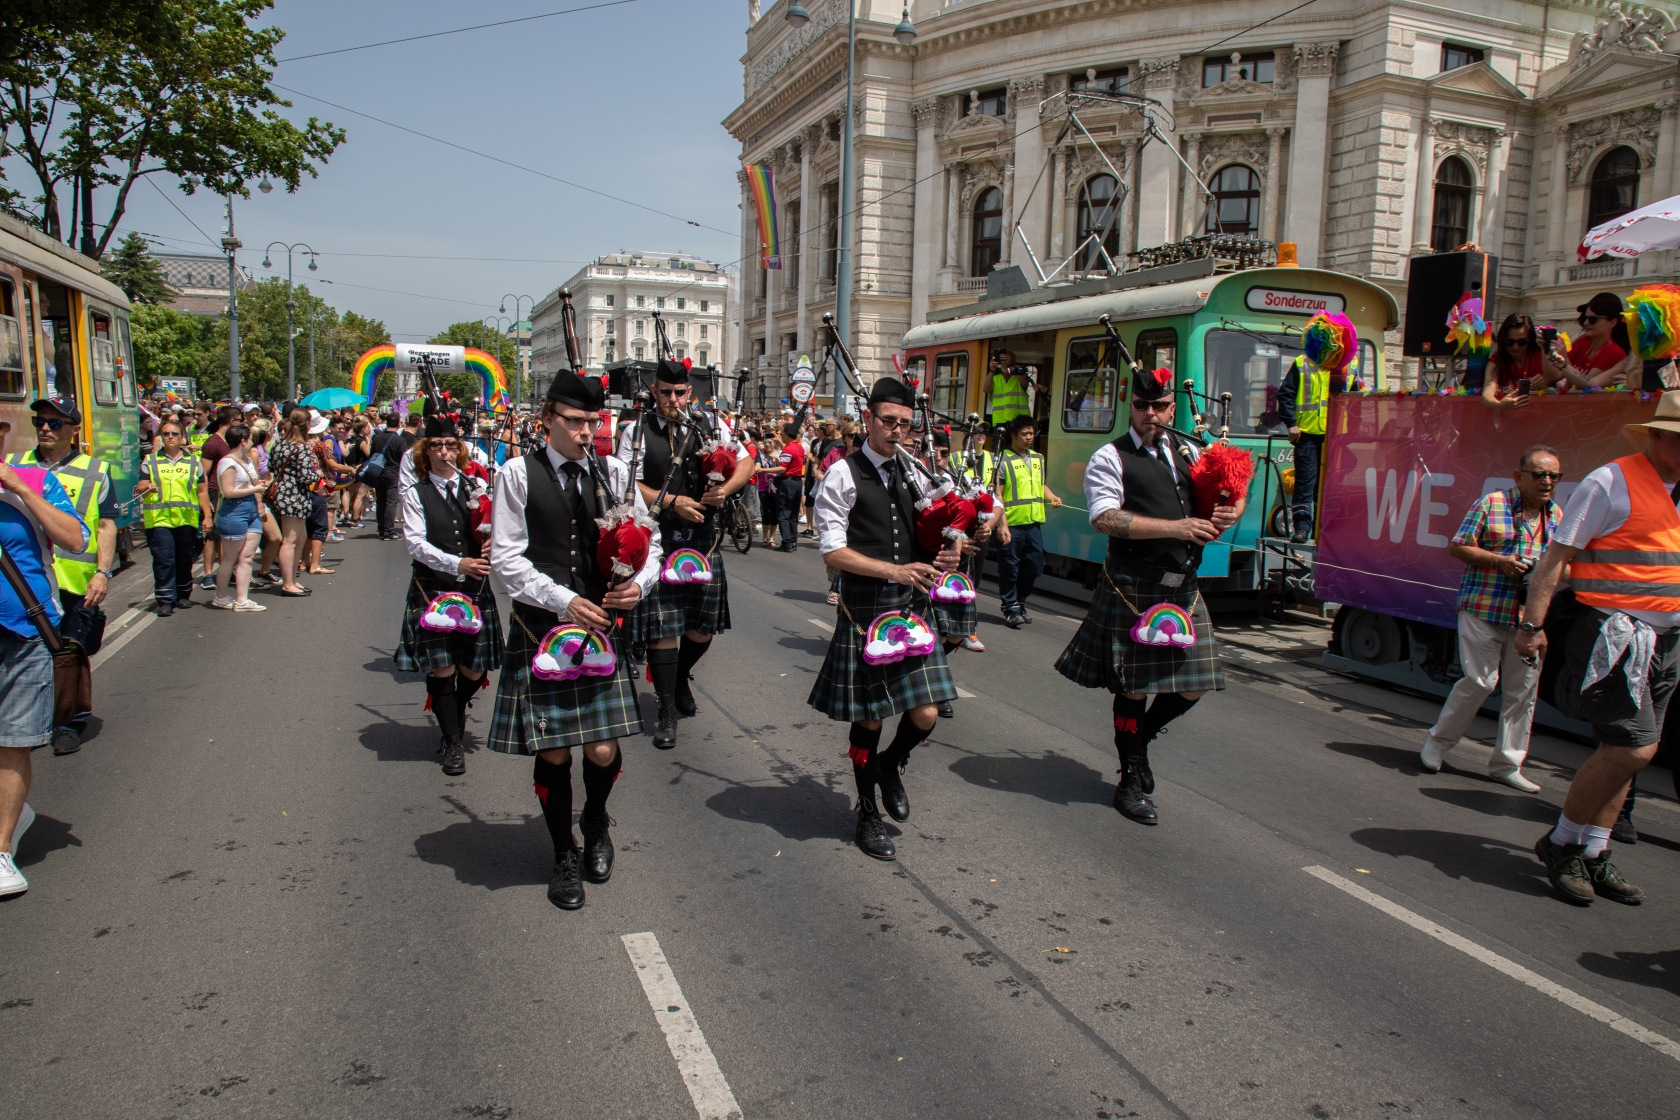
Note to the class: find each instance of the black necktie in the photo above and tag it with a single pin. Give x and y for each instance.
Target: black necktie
(889, 471)
(574, 473)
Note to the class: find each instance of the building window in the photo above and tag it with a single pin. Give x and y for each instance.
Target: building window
(1099, 215)
(704, 305)
(609, 301)
(1101, 81)
(1256, 68)
(702, 331)
(659, 301)
(1236, 202)
(989, 103)
(641, 326)
(1453, 56)
(640, 352)
(700, 357)
(681, 353)
(609, 328)
(641, 301)
(681, 303)
(1450, 227)
(988, 232)
(682, 329)
(1615, 186)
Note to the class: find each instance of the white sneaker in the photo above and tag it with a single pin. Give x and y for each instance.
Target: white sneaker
(25, 819)
(222, 602)
(1515, 780)
(1430, 757)
(11, 879)
(247, 605)
(974, 643)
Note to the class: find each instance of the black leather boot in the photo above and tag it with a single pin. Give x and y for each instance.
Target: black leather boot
(894, 799)
(665, 735)
(565, 887)
(946, 711)
(454, 757)
(1146, 777)
(597, 848)
(872, 832)
(686, 706)
(1129, 797)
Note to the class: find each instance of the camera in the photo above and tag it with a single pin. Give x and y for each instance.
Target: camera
(1548, 335)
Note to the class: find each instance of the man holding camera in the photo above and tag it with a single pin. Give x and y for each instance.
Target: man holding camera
(1502, 538)
(1011, 392)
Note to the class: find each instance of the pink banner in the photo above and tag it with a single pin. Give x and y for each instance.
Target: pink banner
(1400, 473)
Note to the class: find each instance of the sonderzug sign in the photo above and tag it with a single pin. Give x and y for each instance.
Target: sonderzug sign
(1293, 303)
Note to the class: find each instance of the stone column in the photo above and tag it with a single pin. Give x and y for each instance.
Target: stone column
(1030, 160)
(1423, 209)
(1556, 217)
(1666, 140)
(1274, 174)
(808, 192)
(1315, 66)
(924, 227)
(1192, 206)
(824, 220)
(1492, 236)
(1157, 201)
(953, 213)
(1008, 214)
(1134, 206)
(1058, 209)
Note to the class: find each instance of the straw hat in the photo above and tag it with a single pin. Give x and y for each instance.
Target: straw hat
(1667, 418)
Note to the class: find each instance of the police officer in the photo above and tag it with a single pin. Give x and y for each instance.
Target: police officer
(83, 577)
(1021, 488)
(175, 496)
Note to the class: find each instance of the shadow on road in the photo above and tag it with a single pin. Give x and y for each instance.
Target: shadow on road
(401, 742)
(1654, 970)
(816, 647)
(1491, 804)
(386, 663)
(1051, 777)
(45, 837)
(490, 854)
(804, 596)
(1389, 758)
(799, 810)
(1458, 855)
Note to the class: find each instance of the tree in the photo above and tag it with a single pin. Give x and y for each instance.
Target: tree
(465, 386)
(181, 89)
(262, 342)
(133, 269)
(170, 343)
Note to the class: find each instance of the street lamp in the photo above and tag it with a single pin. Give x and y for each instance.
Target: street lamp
(518, 370)
(230, 245)
(905, 33)
(291, 306)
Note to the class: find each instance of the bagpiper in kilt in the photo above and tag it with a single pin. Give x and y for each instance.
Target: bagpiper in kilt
(1139, 493)
(866, 525)
(448, 557)
(957, 621)
(677, 621)
(543, 550)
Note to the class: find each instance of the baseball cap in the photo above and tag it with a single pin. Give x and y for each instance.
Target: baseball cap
(63, 404)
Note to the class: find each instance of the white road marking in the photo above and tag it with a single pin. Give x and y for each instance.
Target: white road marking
(1614, 1020)
(820, 624)
(706, 1086)
(964, 694)
(135, 620)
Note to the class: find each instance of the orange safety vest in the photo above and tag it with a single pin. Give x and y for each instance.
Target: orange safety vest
(1637, 567)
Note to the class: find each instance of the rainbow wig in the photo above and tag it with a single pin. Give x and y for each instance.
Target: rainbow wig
(1330, 341)
(1653, 321)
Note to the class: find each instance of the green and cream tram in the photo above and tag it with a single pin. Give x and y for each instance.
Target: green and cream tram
(1232, 332)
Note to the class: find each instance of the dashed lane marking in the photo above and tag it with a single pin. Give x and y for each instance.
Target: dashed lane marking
(706, 1085)
(820, 624)
(124, 630)
(1614, 1020)
(964, 694)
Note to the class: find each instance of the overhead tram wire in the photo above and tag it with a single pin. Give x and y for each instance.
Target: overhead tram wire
(183, 213)
(457, 31)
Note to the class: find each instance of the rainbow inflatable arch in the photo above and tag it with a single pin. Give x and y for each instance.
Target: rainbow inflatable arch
(364, 375)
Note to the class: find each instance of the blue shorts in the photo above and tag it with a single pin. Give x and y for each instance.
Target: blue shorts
(26, 691)
(238, 518)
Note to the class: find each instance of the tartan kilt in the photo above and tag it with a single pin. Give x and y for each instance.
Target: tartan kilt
(534, 715)
(956, 620)
(421, 650)
(676, 607)
(1103, 655)
(851, 689)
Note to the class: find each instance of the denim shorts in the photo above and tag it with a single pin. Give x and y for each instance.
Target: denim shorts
(238, 518)
(26, 691)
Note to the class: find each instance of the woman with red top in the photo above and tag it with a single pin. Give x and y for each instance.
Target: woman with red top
(1597, 358)
(1516, 358)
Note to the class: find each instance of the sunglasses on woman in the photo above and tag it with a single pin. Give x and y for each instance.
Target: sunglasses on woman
(1589, 320)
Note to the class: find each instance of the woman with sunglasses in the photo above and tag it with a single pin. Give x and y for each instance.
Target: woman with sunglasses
(448, 556)
(1516, 359)
(1596, 358)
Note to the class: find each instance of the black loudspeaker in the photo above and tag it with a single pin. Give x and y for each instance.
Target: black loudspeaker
(633, 375)
(1433, 285)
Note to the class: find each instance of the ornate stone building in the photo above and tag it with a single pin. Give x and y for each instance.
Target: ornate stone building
(1366, 134)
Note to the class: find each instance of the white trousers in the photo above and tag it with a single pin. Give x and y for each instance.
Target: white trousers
(1488, 656)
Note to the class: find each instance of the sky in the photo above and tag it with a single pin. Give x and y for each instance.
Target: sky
(625, 99)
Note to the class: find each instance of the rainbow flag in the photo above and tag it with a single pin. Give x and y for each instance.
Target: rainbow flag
(763, 182)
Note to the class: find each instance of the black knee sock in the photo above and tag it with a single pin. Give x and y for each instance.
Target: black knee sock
(662, 665)
(465, 689)
(440, 693)
(905, 739)
(598, 784)
(1167, 707)
(952, 645)
(866, 770)
(689, 653)
(1128, 716)
(553, 783)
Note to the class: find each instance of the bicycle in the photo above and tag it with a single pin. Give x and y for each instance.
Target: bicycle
(737, 522)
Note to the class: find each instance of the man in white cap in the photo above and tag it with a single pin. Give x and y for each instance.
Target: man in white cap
(1620, 537)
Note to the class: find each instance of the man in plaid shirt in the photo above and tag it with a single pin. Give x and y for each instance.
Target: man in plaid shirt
(1501, 539)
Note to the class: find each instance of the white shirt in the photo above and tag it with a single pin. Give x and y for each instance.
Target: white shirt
(626, 436)
(1598, 507)
(414, 521)
(836, 495)
(508, 539)
(1105, 486)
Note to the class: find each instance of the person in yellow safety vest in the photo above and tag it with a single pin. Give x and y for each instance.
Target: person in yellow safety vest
(1020, 486)
(83, 577)
(175, 498)
(1303, 401)
(1011, 395)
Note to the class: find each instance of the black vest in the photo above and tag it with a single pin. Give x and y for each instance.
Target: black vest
(658, 451)
(448, 526)
(1151, 492)
(562, 534)
(882, 525)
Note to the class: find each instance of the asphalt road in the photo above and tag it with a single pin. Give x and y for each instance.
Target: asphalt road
(254, 893)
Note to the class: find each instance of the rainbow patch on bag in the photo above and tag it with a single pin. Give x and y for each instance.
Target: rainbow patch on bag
(897, 635)
(452, 613)
(1165, 624)
(686, 565)
(954, 588)
(572, 651)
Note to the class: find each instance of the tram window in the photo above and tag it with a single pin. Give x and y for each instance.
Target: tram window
(12, 382)
(1090, 402)
(949, 391)
(125, 362)
(1247, 365)
(1158, 349)
(103, 352)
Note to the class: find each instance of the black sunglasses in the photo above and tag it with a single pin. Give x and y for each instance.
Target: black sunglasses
(1542, 476)
(55, 425)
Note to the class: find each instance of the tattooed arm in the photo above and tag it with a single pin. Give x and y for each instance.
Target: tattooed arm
(1129, 526)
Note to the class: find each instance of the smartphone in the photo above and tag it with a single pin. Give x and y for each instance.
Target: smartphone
(1524, 386)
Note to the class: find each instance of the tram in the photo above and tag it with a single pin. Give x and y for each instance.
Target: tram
(1228, 333)
(64, 330)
